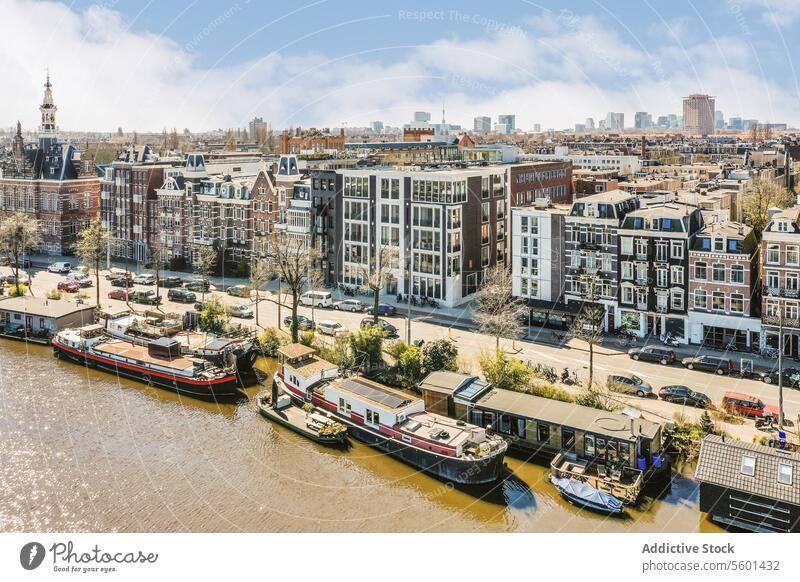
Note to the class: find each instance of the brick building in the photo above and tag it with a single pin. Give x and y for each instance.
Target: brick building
(311, 141)
(780, 275)
(530, 181)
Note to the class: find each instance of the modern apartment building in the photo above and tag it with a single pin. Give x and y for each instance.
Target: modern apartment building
(780, 275)
(698, 114)
(654, 259)
(446, 227)
(724, 287)
(591, 247)
(531, 181)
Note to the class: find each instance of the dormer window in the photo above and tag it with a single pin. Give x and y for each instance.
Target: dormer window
(748, 466)
(719, 244)
(785, 473)
(782, 226)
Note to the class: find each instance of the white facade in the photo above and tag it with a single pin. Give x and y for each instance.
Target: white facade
(532, 254)
(622, 164)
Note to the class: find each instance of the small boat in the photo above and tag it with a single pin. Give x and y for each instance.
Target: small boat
(588, 497)
(307, 421)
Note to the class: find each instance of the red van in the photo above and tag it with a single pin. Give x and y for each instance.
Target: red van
(747, 405)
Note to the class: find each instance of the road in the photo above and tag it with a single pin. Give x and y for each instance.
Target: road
(574, 356)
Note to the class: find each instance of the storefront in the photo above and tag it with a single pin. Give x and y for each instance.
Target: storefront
(718, 330)
(550, 314)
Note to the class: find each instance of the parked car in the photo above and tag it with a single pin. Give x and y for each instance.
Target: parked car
(791, 377)
(201, 285)
(24, 279)
(22, 263)
(383, 309)
(169, 282)
(385, 326)
(684, 395)
(5, 260)
(145, 279)
(80, 279)
(316, 298)
(652, 354)
(303, 322)
(118, 294)
(240, 311)
(629, 384)
(709, 364)
(146, 297)
(239, 291)
(181, 296)
(349, 305)
(123, 282)
(68, 286)
(747, 405)
(116, 273)
(328, 327)
(60, 267)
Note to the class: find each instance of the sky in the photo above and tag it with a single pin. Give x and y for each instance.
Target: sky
(146, 65)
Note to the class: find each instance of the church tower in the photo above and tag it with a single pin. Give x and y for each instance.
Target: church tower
(47, 131)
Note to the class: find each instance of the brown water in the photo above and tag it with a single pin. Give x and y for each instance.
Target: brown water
(81, 450)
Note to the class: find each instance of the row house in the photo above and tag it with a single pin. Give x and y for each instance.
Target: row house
(591, 245)
(265, 213)
(445, 228)
(324, 191)
(780, 274)
(724, 287)
(654, 259)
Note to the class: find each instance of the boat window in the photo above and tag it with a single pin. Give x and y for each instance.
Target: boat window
(588, 445)
(505, 424)
(477, 418)
(521, 428)
(625, 453)
(612, 451)
(568, 439)
(542, 433)
(601, 449)
(373, 417)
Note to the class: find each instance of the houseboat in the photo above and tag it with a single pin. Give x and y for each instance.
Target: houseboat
(392, 421)
(237, 353)
(160, 363)
(611, 452)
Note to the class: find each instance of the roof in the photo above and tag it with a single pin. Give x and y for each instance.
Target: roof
(608, 197)
(720, 464)
(565, 413)
(444, 381)
(384, 396)
(43, 307)
(311, 366)
(730, 229)
(293, 351)
(666, 210)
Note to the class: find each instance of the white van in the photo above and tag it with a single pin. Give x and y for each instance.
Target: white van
(329, 327)
(317, 298)
(61, 267)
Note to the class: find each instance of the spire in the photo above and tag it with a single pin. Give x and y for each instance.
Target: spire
(19, 129)
(48, 109)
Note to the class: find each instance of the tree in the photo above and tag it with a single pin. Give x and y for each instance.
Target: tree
(504, 372)
(205, 265)
(19, 234)
(408, 364)
(259, 275)
(290, 259)
(213, 318)
(766, 132)
(441, 354)
(159, 254)
(376, 274)
(706, 424)
(497, 311)
(367, 347)
(230, 141)
(761, 195)
(588, 325)
(754, 133)
(91, 248)
(314, 280)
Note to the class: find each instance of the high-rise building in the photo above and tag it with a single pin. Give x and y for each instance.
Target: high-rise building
(642, 120)
(589, 123)
(377, 126)
(675, 121)
(719, 120)
(482, 124)
(580, 127)
(698, 114)
(501, 128)
(615, 121)
(422, 116)
(537, 127)
(735, 123)
(509, 120)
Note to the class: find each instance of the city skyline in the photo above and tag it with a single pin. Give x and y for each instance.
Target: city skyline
(209, 68)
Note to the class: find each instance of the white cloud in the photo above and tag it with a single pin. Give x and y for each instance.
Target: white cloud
(559, 70)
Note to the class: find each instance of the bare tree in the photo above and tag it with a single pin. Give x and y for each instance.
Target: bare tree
(91, 248)
(260, 273)
(159, 254)
(19, 234)
(497, 311)
(588, 325)
(761, 195)
(314, 280)
(205, 265)
(376, 274)
(290, 258)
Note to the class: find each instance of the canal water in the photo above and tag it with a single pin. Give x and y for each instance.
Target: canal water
(81, 450)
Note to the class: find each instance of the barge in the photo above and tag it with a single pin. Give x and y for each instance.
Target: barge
(393, 421)
(159, 364)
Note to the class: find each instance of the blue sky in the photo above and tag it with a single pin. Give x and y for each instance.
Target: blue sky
(203, 64)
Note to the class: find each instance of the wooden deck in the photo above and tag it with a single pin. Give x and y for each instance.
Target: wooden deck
(140, 354)
(625, 484)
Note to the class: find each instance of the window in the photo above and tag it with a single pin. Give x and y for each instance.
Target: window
(373, 417)
(737, 274)
(627, 270)
(719, 244)
(344, 406)
(718, 273)
(737, 302)
(785, 473)
(677, 275)
(773, 254)
(792, 255)
(677, 299)
(700, 299)
(661, 277)
(718, 301)
(542, 432)
(627, 295)
(588, 445)
(700, 271)
(627, 245)
(677, 250)
(772, 279)
(748, 465)
(485, 212)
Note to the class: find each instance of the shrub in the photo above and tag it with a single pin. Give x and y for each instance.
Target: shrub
(595, 397)
(338, 352)
(441, 354)
(54, 294)
(550, 391)
(213, 317)
(366, 346)
(269, 341)
(502, 371)
(18, 290)
(307, 338)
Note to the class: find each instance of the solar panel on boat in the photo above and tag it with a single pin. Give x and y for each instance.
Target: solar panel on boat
(385, 398)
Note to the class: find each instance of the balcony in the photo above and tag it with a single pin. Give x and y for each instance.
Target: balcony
(588, 245)
(788, 292)
(641, 306)
(661, 308)
(775, 320)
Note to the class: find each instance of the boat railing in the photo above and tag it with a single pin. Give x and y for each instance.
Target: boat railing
(623, 482)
